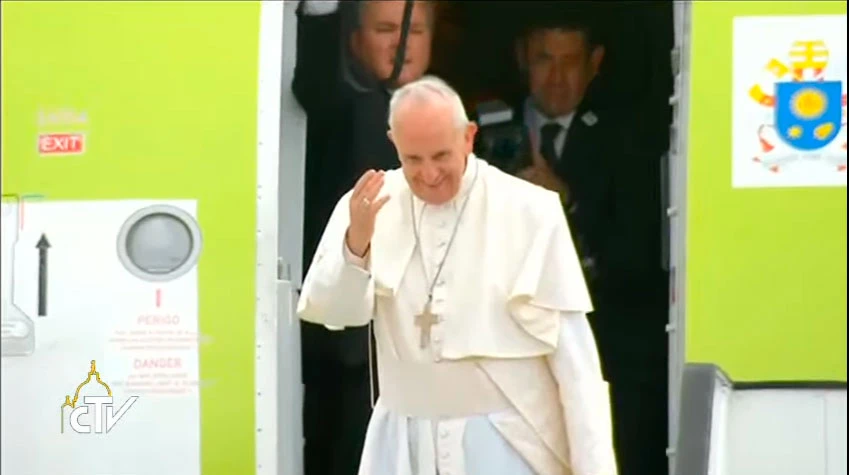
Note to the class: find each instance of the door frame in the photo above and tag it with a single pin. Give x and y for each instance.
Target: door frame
(676, 213)
(292, 132)
(290, 143)
(277, 374)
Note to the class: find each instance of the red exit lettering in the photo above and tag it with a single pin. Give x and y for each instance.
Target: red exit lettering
(61, 144)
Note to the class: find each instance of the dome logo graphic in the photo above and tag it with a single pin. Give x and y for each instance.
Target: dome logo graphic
(101, 409)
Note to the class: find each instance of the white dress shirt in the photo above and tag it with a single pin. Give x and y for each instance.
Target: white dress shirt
(535, 120)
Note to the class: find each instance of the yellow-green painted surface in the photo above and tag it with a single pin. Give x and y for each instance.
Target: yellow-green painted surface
(766, 268)
(170, 91)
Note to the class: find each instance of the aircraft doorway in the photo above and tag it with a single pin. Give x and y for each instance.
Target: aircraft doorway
(474, 49)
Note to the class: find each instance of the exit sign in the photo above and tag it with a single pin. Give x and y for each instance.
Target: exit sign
(61, 144)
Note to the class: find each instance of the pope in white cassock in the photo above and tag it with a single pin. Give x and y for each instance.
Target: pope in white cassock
(486, 361)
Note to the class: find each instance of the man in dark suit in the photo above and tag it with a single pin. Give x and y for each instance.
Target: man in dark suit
(610, 186)
(345, 58)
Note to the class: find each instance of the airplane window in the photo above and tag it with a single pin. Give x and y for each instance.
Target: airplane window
(159, 243)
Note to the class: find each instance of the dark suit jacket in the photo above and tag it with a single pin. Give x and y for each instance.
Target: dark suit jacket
(615, 217)
(346, 135)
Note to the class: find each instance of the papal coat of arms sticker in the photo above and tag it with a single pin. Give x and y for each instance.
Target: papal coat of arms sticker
(789, 101)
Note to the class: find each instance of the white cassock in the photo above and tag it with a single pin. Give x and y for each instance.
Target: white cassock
(508, 381)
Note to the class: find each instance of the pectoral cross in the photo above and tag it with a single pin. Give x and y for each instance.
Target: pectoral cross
(424, 321)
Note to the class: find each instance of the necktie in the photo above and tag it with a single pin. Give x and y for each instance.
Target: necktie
(547, 135)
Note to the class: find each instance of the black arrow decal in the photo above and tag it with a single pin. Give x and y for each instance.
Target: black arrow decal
(43, 245)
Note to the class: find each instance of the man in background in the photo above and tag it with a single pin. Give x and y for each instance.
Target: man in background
(610, 189)
(345, 60)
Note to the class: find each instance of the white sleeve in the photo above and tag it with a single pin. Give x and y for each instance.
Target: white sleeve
(338, 290)
(320, 7)
(353, 259)
(585, 397)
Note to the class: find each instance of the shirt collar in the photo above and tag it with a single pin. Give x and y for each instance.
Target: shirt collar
(564, 120)
(534, 119)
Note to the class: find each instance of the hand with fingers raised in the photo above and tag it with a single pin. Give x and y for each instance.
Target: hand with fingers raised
(540, 173)
(364, 207)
